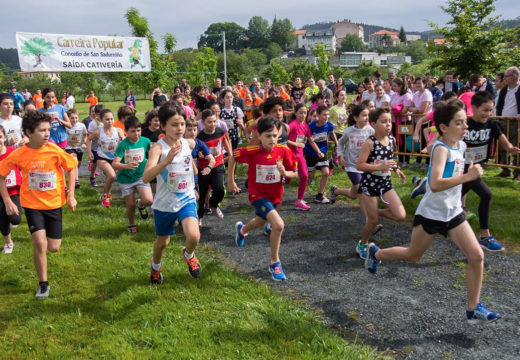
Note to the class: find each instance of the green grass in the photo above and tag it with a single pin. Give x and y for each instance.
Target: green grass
(504, 206)
(142, 107)
(102, 305)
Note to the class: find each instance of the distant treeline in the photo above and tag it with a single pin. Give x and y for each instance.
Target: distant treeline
(9, 58)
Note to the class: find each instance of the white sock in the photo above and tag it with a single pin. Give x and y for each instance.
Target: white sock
(156, 267)
(188, 255)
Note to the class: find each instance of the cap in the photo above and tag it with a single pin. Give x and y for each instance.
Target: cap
(12, 87)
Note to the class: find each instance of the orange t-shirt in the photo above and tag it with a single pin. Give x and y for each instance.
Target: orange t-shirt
(43, 180)
(92, 100)
(285, 96)
(38, 100)
(243, 93)
(121, 125)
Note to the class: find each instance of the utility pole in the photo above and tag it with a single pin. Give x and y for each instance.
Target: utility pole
(224, 48)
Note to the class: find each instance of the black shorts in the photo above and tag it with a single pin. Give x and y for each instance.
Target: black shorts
(79, 154)
(433, 227)
(316, 163)
(105, 159)
(48, 220)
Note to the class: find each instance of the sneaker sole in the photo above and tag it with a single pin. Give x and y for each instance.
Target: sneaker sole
(359, 254)
(490, 250)
(301, 209)
(43, 296)
(481, 322)
(236, 234)
(415, 191)
(272, 275)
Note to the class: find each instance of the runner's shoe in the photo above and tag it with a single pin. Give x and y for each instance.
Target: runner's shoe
(8, 248)
(420, 188)
(156, 277)
(239, 237)
(415, 179)
(490, 244)
(218, 213)
(194, 267)
(267, 229)
(142, 210)
(481, 315)
(93, 181)
(333, 195)
(377, 229)
(361, 250)
(42, 292)
(275, 268)
(371, 263)
(300, 205)
(321, 199)
(132, 229)
(105, 200)
(77, 185)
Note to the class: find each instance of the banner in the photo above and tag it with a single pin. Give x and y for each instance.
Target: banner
(82, 53)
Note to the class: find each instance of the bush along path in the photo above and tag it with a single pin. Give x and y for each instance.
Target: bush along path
(408, 310)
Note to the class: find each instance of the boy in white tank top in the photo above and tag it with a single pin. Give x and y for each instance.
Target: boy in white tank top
(171, 163)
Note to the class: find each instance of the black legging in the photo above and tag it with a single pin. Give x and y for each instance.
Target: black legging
(5, 219)
(216, 179)
(483, 192)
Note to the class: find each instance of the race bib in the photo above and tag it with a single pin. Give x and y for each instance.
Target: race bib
(320, 137)
(11, 136)
(178, 182)
(267, 174)
(10, 180)
(300, 139)
(42, 181)
(476, 154)
(217, 150)
(134, 155)
(458, 169)
(356, 141)
(108, 146)
(342, 119)
(74, 139)
(381, 173)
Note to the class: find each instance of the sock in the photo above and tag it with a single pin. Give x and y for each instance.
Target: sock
(156, 267)
(44, 285)
(188, 255)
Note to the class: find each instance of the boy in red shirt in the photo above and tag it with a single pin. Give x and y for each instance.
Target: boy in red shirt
(268, 163)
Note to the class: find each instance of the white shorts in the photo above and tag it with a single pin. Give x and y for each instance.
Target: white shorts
(127, 189)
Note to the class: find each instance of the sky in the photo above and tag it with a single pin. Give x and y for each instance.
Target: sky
(188, 19)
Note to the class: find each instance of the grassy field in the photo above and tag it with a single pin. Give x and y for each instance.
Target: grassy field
(102, 305)
(142, 107)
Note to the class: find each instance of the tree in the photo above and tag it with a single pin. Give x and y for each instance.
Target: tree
(258, 32)
(366, 68)
(352, 42)
(473, 41)
(323, 61)
(276, 73)
(204, 69)
(282, 33)
(37, 47)
(402, 34)
(385, 40)
(238, 67)
(273, 51)
(170, 42)
(212, 37)
(417, 50)
(255, 57)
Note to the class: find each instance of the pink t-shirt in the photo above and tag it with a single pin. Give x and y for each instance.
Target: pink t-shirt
(466, 99)
(189, 112)
(405, 100)
(419, 98)
(299, 133)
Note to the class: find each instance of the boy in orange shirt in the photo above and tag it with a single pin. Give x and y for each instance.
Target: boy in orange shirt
(123, 113)
(42, 193)
(91, 98)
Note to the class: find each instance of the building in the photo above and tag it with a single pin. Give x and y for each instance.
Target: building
(325, 37)
(384, 38)
(413, 37)
(51, 75)
(341, 29)
(300, 34)
(353, 59)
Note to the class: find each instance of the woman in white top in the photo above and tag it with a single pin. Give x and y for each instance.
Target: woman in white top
(382, 99)
(69, 104)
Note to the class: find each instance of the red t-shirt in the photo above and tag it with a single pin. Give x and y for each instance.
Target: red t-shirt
(214, 142)
(14, 179)
(264, 178)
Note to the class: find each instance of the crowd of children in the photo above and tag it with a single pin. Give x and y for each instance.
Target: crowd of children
(176, 162)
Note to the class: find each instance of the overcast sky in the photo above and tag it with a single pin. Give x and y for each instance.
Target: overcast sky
(188, 19)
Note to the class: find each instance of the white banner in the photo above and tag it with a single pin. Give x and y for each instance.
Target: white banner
(82, 53)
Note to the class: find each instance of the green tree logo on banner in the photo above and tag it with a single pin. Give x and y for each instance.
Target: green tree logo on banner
(135, 53)
(37, 47)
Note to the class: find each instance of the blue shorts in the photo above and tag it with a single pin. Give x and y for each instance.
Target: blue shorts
(354, 177)
(96, 157)
(262, 207)
(165, 220)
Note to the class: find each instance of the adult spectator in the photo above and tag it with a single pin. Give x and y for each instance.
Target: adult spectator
(499, 84)
(391, 76)
(218, 87)
(508, 104)
(422, 101)
(481, 83)
(327, 93)
(26, 94)
(18, 100)
(239, 85)
(340, 86)
(449, 83)
(70, 101)
(91, 98)
(130, 99)
(158, 97)
(332, 83)
(183, 85)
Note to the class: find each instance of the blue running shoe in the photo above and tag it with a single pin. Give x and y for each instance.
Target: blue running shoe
(419, 189)
(481, 315)
(239, 238)
(275, 268)
(490, 244)
(361, 250)
(415, 180)
(371, 263)
(267, 229)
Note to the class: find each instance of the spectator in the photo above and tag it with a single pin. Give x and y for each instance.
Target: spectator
(369, 93)
(158, 97)
(18, 99)
(449, 83)
(327, 93)
(499, 84)
(218, 87)
(332, 83)
(340, 86)
(130, 99)
(481, 83)
(26, 94)
(91, 98)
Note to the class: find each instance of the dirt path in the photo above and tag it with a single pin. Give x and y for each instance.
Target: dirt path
(414, 311)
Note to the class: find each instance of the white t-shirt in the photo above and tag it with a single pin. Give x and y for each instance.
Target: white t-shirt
(418, 99)
(13, 127)
(384, 99)
(368, 96)
(76, 135)
(70, 102)
(510, 108)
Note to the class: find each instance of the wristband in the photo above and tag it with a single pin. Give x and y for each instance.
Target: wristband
(209, 167)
